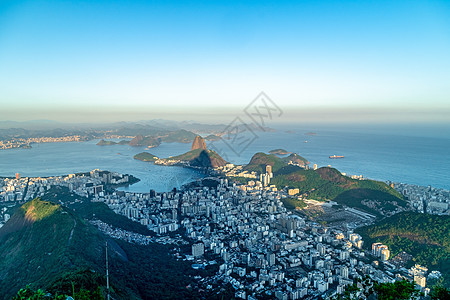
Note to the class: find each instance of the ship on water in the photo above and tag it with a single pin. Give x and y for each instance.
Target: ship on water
(336, 156)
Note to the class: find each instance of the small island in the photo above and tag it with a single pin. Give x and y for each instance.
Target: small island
(106, 143)
(110, 143)
(145, 156)
(279, 152)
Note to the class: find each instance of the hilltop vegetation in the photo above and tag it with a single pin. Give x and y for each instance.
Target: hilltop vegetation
(294, 158)
(398, 290)
(38, 249)
(37, 210)
(325, 183)
(260, 160)
(426, 237)
(329, 184)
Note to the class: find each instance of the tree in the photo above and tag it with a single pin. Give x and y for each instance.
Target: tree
(399, 290)
(28, 293)
(440, 293)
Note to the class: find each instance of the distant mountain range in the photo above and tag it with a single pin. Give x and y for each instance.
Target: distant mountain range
(144, 127)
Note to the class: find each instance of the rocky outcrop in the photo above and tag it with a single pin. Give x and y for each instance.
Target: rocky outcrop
(198, 143)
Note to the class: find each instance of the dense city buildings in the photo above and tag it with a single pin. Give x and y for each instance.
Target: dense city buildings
(425, 199)
(26, 142)
(260, 247)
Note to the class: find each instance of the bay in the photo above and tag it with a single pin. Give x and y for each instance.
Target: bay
(401, 158)
(52, 159)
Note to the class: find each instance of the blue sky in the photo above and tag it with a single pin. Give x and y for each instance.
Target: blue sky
(61, 58)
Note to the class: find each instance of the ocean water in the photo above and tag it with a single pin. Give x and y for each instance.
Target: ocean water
(375, 155)
(51, 159)
(400, 158)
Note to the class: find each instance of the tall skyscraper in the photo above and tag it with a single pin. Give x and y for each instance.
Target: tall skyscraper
(375, 247)
(380, 250)
(269, 170)
(385, 253)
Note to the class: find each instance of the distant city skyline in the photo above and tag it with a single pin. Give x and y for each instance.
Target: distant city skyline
(334, 61)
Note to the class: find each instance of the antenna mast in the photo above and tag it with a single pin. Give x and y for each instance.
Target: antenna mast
(107, 270)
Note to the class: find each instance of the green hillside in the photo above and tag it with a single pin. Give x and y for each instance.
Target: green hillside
(145, 156)
(426, 237)
(260, 160)
(93, 210)
(41, 241)
(51, 247)
(296, 159)
(188, 156)
(329, 184)
(38, 210)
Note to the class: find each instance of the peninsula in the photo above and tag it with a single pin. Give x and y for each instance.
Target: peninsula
(198, 157)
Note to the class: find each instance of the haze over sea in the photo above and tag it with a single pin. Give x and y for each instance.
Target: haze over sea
(376, 155)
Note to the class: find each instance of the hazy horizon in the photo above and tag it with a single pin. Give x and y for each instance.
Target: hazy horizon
(100, 61)
(369, 115)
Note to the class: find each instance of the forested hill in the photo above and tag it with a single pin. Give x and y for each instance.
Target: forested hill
(426, 237)
(50, 247)
(42, 241)
(260, 160)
